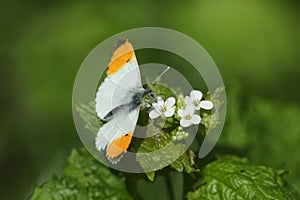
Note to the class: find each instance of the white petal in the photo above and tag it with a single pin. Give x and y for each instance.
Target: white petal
(157, 106)
(196, 94)
(196, 119)
(184, 122)
(169, 112)
(188, 100)
(170, 102)
(153, 114)
(160, 101)
(189, 110)
(180, 112)
(207, 105)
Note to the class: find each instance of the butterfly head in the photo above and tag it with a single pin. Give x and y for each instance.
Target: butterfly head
(149, 93)
(149, 97)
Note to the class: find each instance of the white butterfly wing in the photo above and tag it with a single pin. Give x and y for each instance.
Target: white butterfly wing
(116, 88)
(115, 136)
(115, 94)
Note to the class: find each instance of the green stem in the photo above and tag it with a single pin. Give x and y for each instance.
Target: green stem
(170, 187)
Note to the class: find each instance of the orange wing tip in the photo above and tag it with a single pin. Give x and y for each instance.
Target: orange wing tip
(122, 54)
(116, 149)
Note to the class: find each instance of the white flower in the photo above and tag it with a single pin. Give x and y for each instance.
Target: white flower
(188, 117)
(194, 100)
(163, 108)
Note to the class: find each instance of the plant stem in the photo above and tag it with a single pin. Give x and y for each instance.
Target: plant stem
(170, 187)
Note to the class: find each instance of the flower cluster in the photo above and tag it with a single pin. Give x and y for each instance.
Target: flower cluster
(189, 112)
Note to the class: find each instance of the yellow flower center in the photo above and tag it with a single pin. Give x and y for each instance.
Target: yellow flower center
(196, 102)
(163, 109)
(188, 117)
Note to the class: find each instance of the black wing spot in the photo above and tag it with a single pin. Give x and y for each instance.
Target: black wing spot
(120, 42)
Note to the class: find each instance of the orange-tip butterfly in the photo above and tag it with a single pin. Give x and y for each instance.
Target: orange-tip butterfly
(118, 101)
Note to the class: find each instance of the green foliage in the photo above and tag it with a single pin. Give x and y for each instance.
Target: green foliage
(235, 135)
(233, 178)
(211, 120)
(88, 114)
(157, 151)
(228, 177)
(275, 136)
(150, 175)
(248, 129)
(163, 145)
(266, 132)
(84, 178)
(185, 163)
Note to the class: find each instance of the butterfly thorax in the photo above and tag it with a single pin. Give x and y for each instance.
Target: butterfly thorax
(136, 98)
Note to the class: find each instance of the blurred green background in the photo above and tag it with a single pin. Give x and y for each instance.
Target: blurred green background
(254, 43)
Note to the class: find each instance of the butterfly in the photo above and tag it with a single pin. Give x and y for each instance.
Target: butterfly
(118, 101)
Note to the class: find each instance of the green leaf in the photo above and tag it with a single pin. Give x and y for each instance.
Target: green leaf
(210, 119)
(88, 114)
(150, 175)
(185, 162)
(84, 178)
(258, 127)
(275, 131)
(158, 150)
(233, 178)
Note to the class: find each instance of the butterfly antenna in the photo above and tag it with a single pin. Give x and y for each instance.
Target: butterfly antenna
(157, 79)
